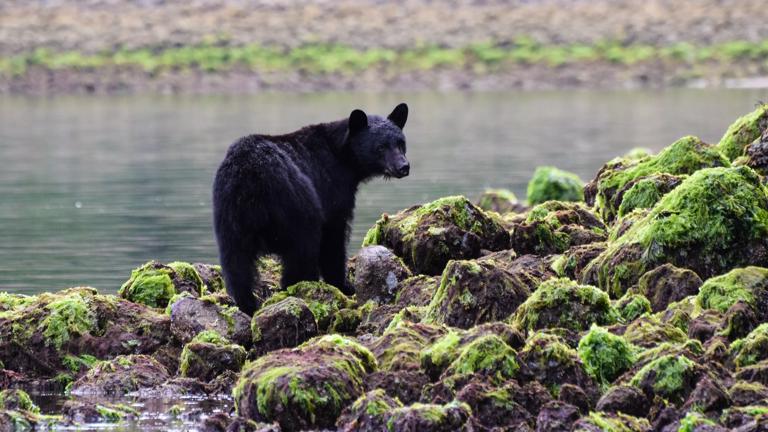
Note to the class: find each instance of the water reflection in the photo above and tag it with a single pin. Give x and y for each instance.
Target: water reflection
(92, 187)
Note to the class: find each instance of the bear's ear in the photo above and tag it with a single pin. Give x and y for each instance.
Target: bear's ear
(399, 115)
(357, 121)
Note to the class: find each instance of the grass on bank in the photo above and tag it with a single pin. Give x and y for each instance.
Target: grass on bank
(335, 58)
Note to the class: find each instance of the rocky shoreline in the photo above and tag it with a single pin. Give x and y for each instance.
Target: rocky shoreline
(635, 303)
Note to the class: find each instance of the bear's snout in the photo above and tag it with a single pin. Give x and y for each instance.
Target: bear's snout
(403, 170)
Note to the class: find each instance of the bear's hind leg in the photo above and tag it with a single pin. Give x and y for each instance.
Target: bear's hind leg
(240, 274)
(300, 260)
(333, 256)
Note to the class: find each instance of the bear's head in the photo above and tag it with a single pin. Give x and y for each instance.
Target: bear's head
(378, 144)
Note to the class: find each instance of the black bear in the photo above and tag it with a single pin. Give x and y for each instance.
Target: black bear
(293, 195)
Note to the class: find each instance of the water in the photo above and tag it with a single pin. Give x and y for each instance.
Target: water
(92, 187)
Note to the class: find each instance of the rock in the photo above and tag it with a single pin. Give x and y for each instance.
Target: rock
(62, 334)
(694, 421)
(751, 349)
(547, 359)
(756, 154)
(551, 184)
(474, 292)
(190, 316)
(488, 356)
(426, 237)
(154, 284)
(322, 299)
(708, 396)
(748, 419)
(429, 418)
(212, 277)
(648, 332)
(209, 355)
(645, 192)
(743, 132)
(671, 377)
(667, 284)
(417, 291)
(304, 387)
(501, 201)
(494, 407)
(614, 180)
(738, 321)
(575, 396)
(399, 348)
(375, 319)
(731, 236)
(632, 306)
(573, 261)
(378, 273)
(405, 385)
(17, 400)
(744, 393)
(625, 399)
(749, 284)
(77, 412)
(554, 226)
(605, 355)
(174, 388)
(369, 413)
(345, 321)
(564, 303)
(556, 416)
(284, 324)
(122, 375)
(599, 422)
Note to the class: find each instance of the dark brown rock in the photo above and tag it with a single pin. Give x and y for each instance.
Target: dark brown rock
(378, 274)
(284, 324)
(556, 416)
(190, 316)
(667, 284)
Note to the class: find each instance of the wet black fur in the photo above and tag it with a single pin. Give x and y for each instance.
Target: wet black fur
(293, 195)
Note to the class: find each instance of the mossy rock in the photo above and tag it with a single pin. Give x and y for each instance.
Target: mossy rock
(573, 261)
(474, 292)
(324, 300)
(552, 184)
(119, 376)
(751, 349)
(154, 284)
(417, 290)
(190, 316)
(495, 407)
(563, 303)
(549, 360)
(645, 192)
(632, 306)
(500, 201)
(611, 422)
(667, 284)
(78, 412)
(555, 226)
(669, 376)
(305, 387)
(284, 324)
(744, 393)
(452, 416)
(369, 413)
(743, 132)
(426, 237)
(63, 333)
(716, 220)
(488, 356)
(399, 348)
(208, 355)
(17, 400)
(605, 355)
(685, 156)
(649, 332)
(756, 156)
(749, 285)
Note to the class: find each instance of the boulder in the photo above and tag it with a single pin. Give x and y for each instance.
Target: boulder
(554, 227)
(377, 274)
(120, 376)
(743, 132)
(500, 201)
(154, 284)
(667, 284)
(323, 300)
(284, 324)
(190, 316)
(552, 184)
(208, 355)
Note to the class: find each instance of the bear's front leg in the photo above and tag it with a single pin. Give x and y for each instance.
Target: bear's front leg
(333, 256)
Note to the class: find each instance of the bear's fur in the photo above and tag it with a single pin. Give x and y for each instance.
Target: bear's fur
(293, 195)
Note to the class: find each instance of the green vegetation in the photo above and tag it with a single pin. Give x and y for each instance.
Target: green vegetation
(667, 375)
(751, 349)
(741, 284)
(743, 131)
(549, 183)
(150, 284)
(605, 355)
(218, 56)
(488, 355)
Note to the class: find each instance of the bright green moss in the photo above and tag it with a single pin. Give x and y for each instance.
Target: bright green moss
(17, 400)
(114, 413)
(441, 353)
(632, 306)
(210, 336)
(713, 214)
(552, 184)
(752, 348)
(67, 316)
(488, 355)
(187, 272)
(685, 156)
(432, 416)
(498, 200)
(408, 313)
(322, 299)
(150, 284)
(566, 304)
(605, 355)
(743, 131)
(615, 422)
(648, 331)
(347, 345)
(374, 235)
(78, 363)
(638, 153)
(646, 192)
(692, 421)
(189, 356)
(668, 374)
(9, 302)
(721, 292)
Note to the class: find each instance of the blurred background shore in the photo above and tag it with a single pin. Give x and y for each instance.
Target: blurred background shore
(237, 46)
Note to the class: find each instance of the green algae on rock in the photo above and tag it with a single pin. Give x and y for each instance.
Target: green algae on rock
(121, 375)
(632, 306)
(685, 156)
(304, 387)
(605, 355)
(743, 132)
(369, 413)
(17, 400)
(489, 356)
(474, 292)
(717, 219)
(208, 355)
(552, 184)
(284, 324)
(548, 359)
(426, 237)
(500, 201)
(323, 300)
(611, 422)
(752, 348)
(154, 284)
(669, 376)
(555, 226)
(645, 192)
(399, 348)
(564, 303)
(748, 284)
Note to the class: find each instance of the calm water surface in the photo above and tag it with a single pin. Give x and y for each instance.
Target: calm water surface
(91, 187)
